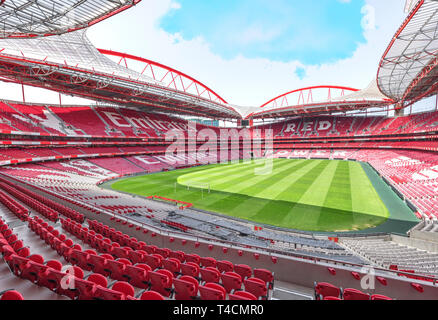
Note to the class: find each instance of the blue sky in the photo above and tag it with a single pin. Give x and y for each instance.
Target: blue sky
(311, 31)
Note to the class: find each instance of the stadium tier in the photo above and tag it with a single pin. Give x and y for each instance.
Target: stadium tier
(120, 122)
(321, 137)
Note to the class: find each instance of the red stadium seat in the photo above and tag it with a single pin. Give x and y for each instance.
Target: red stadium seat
(354, 294)
(154, 261)
(212, 291)
(243, 270)
(117, 268)
(161, 282)
(18, 263)
(379, 297)
(210, 274)
(178, 255)
(257, 287)
(120, 252)
(98, 264)
(53, 279)
(225, 266)
(265, 275)
(34, 268)
(101, 293)
(231, 281)
(67, 286)
(86, 288)
(173, 265)
(208, 262)
(242, 295)
(44, 276)
(193, 258)
(332, 298)
(98, 279)
(11, 295)
(324, 289)
(125, 288)
(163, 252)
(186, 288)
(81, 259)
(137, 256)
(190, 269)
(138, 275)
(151, 295)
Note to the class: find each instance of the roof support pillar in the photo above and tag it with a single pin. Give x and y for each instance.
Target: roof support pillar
(399, 110)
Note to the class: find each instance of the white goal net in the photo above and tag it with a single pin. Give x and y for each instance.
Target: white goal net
(198, 185)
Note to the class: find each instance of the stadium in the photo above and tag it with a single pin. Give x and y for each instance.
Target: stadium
(160, 189)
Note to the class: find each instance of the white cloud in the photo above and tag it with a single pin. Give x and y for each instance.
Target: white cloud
(175, 5)
(369, 19)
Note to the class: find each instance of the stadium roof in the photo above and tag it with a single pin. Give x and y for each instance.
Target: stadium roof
(321, 99)
(70, 64)
(172, 78)
(37, 18)
(408, 70)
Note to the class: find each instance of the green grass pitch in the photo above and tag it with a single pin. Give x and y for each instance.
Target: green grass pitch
(312, 195)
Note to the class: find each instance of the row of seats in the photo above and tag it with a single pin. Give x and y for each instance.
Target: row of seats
(395, 256)
(176, 225)
(47, 212)
(348, 126)
(168, 266)
(9, 242)
(139, 275)
(16, 208)
(327, 291)
(68, 212)
(73, 283)
(306, 150)
(20, 261)
(86, 120)
(222, 266)
(111, 122)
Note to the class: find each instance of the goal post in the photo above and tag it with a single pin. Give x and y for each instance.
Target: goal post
(198, 185)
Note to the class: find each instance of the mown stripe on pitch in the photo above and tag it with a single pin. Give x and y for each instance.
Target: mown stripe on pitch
(277, 185)
(299, 212)
(295, 191)
(365, 197)
(298, 188)
(314, 197)
(232, 176)
(234, 205)
(289, 168)
(249, 183)
(209, 175)
(338, 197)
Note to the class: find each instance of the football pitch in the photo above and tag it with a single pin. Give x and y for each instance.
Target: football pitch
(311, 195)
